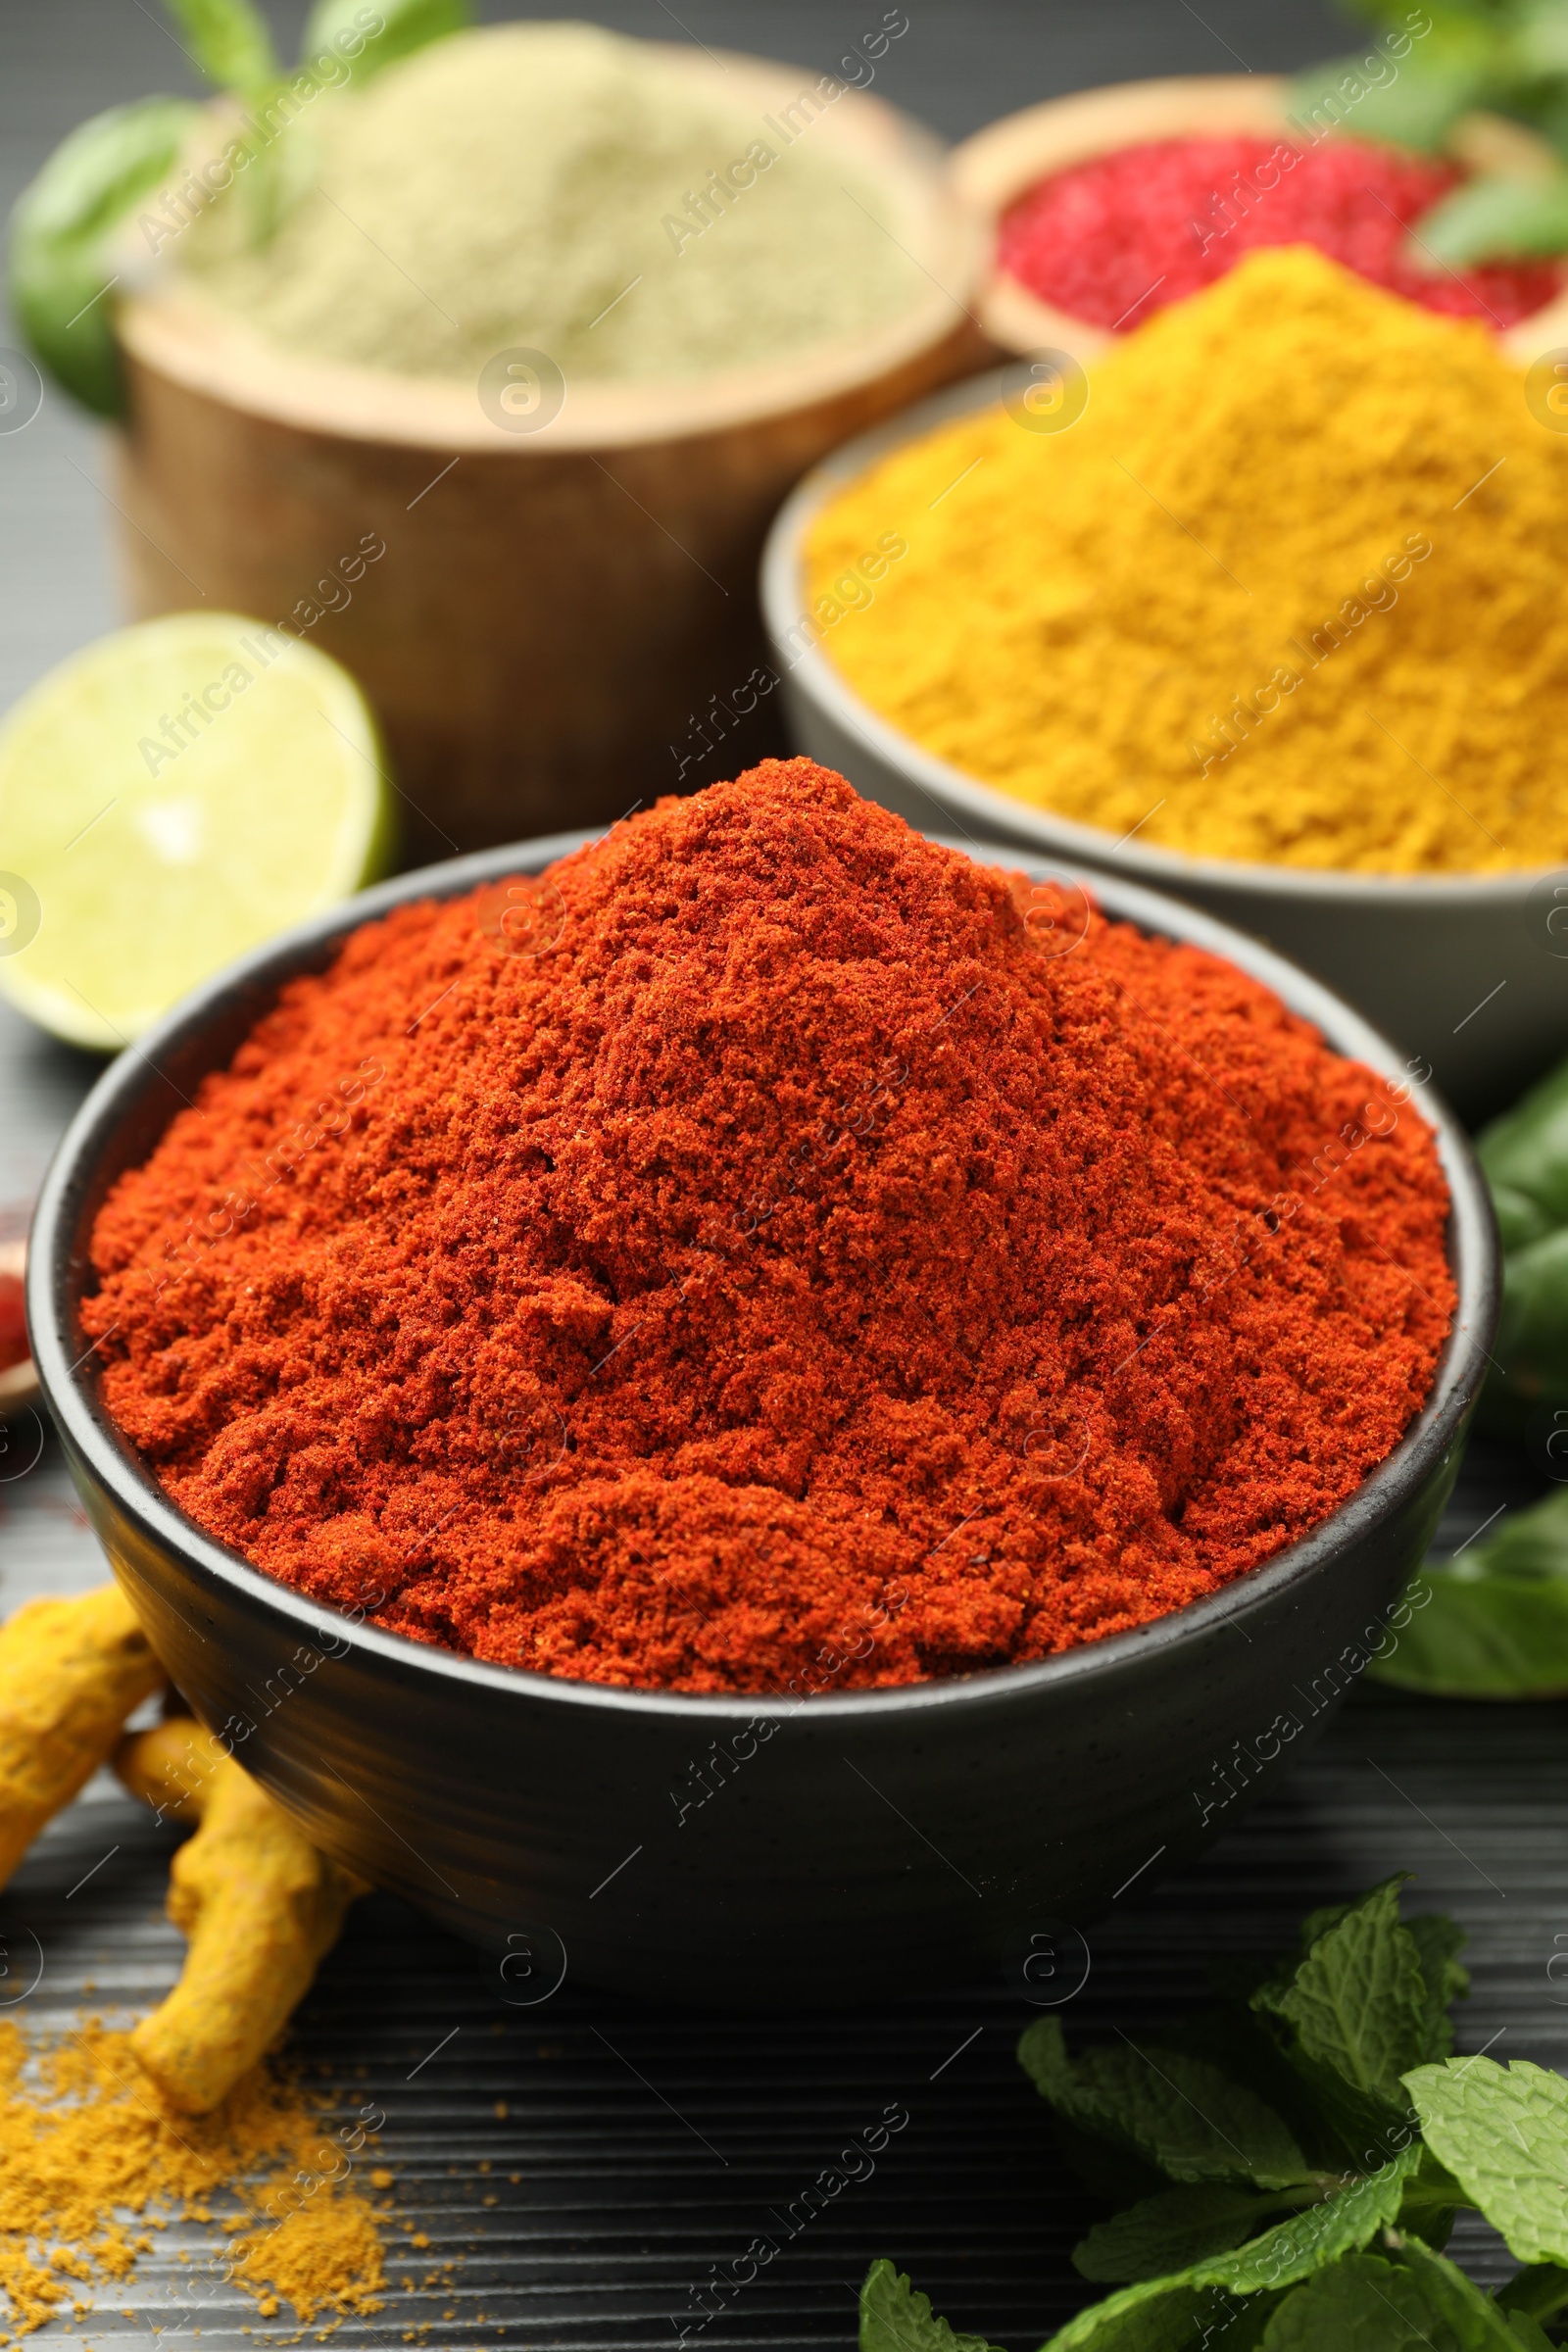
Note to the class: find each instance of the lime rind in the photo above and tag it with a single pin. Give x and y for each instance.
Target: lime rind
(171, 797)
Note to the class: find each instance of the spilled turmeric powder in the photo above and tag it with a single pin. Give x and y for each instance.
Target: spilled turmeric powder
(93, 2162)
(1289, 588)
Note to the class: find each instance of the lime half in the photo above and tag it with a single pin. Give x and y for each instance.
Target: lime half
(171, 797)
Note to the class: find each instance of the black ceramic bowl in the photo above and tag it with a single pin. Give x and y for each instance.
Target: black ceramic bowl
(854, 1845)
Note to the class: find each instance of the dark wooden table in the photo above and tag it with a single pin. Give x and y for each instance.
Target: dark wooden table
(650, 2147)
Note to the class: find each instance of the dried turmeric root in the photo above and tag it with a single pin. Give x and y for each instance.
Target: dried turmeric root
(257, 1902)
(71, 1671)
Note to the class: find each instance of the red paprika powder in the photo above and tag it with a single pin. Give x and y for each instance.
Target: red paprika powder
(1113, 240)
(12, 1320)
(770, 1251)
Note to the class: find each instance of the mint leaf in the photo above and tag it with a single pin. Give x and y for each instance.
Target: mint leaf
(337, 26)
(1181, 2113)
(1171, 2233)
(61, 289)
(1502, 2132)
(1439, 1942)
(1491, 220)
(228, 41)
(1526, 2331)
(1538, 2293)
(1162, 2315)
(1228, 2292)
(1364, 2304)
(1309, 2241)
(895, 2317)
(1431, 2199)
(1354, 2015)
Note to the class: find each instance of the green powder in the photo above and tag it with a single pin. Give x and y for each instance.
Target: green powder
(507, 186)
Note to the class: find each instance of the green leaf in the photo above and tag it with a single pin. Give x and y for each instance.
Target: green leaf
(1502, 2132)
(1417, 107)
(1438, 1940)
(1295, 2249)
(1432, 2201)
(228, 42)
(1166, 2315)
(1539, 44)
(61, 230)
(1180, 2112)
(337, 28)
(1526, 2331)
(1353, 2017)
(1526, 1148)
(895, 2317)
(1171, 2233)
(1538, 2293)
(1484, 1637)
(1492, 1623)
(1532, 1332)
(1365, 2304)
(1491, 220)
(1520, 1220)
(1161, 2315)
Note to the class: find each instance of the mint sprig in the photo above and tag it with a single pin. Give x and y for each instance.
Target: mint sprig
(1312, 2219)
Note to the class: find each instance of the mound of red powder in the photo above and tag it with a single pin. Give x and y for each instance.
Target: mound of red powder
(774, 1251)
(1114, 240)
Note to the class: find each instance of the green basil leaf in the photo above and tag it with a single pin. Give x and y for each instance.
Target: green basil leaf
(1529, 1546)
(1502, 2132)
(1415, 107)
(366, 39)
(1496, 1637)
(1171, 2233)
(1520, 1220)
(1353, 2017)
(61, 281)
(1364, 2304)
(1179, 2112)
(1526, 1148)
(895, 2317)
(228, 42)
(1539, 44)
(1492, 220)
(1532, 1343)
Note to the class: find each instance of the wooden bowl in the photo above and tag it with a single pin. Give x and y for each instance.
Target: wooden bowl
(993, 168)
(561, 616)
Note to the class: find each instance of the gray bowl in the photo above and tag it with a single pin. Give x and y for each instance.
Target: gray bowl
(1468, 973)
(851, 1847)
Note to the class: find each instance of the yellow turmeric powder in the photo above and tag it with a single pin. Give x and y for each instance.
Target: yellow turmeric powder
(256, 1901)
(86, 2143)
(70, 1672)
(1291, 589)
